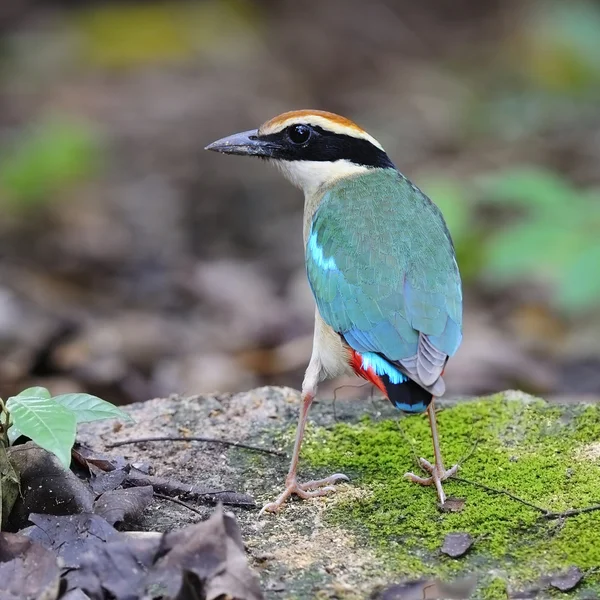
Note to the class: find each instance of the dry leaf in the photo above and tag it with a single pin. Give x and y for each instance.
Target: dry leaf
(457, 544)
(27, 570)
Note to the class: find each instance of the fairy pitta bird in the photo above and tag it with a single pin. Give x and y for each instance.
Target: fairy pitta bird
(381, 266)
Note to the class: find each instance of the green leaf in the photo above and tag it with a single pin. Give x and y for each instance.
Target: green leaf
(44, 421)
(580, 287)
(530, 188)
(48, 158)
(129, 34)
(34, 392)
(562, 43)
(518, 251)
(90, 408)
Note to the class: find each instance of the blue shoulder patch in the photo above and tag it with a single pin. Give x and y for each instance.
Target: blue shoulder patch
(316, 252)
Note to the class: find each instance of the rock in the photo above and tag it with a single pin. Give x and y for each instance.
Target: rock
(380, 530)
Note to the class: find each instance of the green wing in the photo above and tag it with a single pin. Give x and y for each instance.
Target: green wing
(382, 268)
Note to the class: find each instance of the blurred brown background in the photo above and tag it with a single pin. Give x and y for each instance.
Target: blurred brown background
(133, 264)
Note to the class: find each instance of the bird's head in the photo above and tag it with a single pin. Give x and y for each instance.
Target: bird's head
(311, 147)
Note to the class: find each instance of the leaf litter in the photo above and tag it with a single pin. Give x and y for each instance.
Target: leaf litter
(82, 555)
(27, 569)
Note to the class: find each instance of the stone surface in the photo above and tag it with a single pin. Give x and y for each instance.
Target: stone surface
(380, 530)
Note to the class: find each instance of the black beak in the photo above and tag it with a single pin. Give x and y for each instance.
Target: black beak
(247, 143)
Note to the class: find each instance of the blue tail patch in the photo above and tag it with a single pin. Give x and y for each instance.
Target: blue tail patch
(372, 360)
(403, 392)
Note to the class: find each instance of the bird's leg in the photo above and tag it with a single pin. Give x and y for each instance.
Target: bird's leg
(438, 473)
(310, 489)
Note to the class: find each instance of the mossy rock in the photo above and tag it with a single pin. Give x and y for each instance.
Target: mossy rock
(545, 455)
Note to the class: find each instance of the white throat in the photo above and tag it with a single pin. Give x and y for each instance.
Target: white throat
(311, 175)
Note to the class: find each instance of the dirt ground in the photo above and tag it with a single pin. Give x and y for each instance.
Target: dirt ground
(294, 551)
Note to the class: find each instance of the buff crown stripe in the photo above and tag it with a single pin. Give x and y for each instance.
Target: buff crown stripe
(301, 115)
(326, 120)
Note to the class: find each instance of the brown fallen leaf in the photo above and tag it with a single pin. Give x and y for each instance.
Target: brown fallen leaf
(121, 505)
(47, 487)
(102, 481)
(204, 561)
(210, 556)
(117, 569)
(457, 544)
(70, 536)
(172, 487)
(86, 456)
(453, 505)
(75, 595)
(27, 569)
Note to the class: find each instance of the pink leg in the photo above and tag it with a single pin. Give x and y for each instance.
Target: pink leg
(438, 473)
(319, 487)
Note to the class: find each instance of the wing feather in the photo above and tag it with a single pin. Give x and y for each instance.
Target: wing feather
(384, 274)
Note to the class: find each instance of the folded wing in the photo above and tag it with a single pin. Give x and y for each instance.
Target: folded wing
(382, 268)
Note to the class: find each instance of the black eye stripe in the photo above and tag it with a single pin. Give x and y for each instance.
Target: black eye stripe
(323, 145)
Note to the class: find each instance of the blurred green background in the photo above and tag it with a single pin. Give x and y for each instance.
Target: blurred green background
(133, 264)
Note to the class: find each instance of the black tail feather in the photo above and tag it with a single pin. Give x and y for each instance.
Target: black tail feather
(407, 396)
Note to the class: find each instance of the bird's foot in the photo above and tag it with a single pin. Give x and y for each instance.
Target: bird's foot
(438, 474)
(310, 489)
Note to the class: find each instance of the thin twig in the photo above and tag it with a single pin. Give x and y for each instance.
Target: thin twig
(180, 502)
(341, 387)
(571, 513)
(403, 433)
(193, 439)
(398, 422)
(544, 511)
(471, 452)
(173, 487)
(546, 514)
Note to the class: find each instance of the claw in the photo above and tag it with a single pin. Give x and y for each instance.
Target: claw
(310, 489)
(438, 474)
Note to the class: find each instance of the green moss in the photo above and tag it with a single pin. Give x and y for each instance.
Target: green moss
(495, 590)
(533, 450)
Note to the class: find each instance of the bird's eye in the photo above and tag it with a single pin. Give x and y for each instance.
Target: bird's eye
(299, 134)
